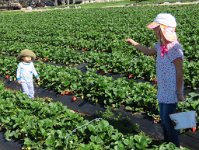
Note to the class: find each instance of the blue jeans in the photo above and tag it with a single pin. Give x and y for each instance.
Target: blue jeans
(170, 134)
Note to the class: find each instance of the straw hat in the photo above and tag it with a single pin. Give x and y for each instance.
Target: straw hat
(26, 52)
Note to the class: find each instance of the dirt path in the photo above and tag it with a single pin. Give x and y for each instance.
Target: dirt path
(26, 10)
(162, 4)
(168, 3)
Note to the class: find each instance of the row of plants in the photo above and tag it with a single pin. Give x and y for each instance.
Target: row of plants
(138, 67)
(45, 53)
(42, 124)
(106, 91)
(89, 86)
(58, 39)
(99, 29)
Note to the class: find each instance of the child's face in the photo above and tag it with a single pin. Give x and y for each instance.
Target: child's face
(27, 59)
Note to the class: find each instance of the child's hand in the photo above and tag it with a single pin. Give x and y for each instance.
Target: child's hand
(38, 81)
(19, 81)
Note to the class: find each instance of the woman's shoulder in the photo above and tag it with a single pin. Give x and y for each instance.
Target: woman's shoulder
(175, 45)
(175, 50)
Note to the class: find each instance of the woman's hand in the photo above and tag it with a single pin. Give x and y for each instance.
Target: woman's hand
(180, 97)
(143, 49)
(131, 41)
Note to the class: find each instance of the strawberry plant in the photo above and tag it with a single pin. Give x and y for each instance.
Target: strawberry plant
(49, 125)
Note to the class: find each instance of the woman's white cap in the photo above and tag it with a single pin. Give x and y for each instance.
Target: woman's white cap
(163, 19)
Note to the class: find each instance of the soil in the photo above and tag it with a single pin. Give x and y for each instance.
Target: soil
(9, 145)
(87, 109)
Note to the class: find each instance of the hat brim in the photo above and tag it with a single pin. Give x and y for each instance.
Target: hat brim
(20, 56)
(25, 53)
(168, 33)
(153, 25)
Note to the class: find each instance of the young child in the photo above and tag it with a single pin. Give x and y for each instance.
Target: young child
(169, 70)
(25, 72)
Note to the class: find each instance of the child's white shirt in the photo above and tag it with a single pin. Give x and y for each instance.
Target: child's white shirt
(25, 72)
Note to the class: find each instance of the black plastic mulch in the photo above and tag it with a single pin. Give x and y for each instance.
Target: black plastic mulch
(9, 145)
(83, 107)
(190, 140)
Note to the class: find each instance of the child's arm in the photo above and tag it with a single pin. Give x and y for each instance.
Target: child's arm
(145, 50)
(18, 73)
(35, 72)
(179, 78)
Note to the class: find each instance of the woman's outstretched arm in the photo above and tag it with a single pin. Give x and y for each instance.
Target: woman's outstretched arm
(145, 50)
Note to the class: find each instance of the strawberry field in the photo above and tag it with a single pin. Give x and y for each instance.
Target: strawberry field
(115, 73)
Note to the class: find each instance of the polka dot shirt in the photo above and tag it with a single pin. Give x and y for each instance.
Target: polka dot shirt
(166, 73)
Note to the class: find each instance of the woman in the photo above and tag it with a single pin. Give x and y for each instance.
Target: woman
(169, 70)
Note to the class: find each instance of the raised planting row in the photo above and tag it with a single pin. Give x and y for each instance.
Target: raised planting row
(97, 29)
(44, 52)
(136, 67)
(41, 124)
(89, 86)
(61, 37)
(134, 96)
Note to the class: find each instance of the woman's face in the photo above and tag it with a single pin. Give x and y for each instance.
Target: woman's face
(157, 32)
